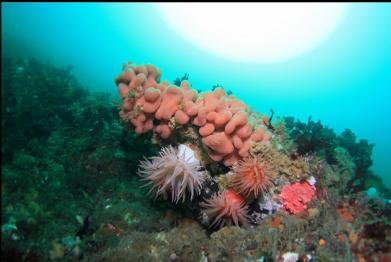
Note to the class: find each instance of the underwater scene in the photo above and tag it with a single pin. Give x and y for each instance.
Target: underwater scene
(196, 132)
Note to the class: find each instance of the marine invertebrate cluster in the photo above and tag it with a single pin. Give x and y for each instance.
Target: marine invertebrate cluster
(219, 126)
(226, 208)
(174, 170)
(227, 125)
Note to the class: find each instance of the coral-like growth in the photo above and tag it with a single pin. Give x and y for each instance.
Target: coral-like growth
(313, 137)
(175, 170)
(361, 153)
(227, 125)
(252, 176)
(226, 208)
(295, 197)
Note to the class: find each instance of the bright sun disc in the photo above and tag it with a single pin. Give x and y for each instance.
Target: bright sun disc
(254, 32)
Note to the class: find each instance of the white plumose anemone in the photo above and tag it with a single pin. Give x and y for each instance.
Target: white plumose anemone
(175, 170)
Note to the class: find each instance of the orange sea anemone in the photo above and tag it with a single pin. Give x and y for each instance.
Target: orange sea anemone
(226, 208)
(252, 176)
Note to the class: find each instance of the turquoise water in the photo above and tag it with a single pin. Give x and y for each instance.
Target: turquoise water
(345, 81)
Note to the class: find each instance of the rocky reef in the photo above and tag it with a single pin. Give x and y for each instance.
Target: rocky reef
(247, 170)
(179, 175)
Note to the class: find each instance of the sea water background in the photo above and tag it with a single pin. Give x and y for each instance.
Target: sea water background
(345, 81)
